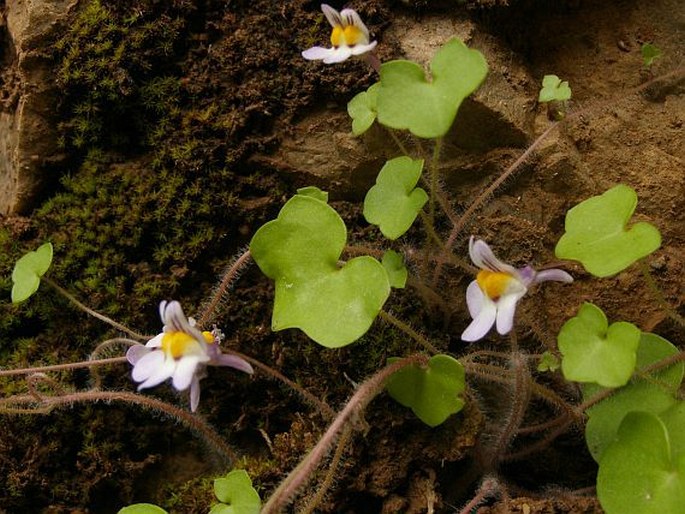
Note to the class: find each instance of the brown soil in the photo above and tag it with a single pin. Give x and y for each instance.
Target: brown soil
(245, 55)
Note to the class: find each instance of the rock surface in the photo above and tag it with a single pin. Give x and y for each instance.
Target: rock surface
(28, 142)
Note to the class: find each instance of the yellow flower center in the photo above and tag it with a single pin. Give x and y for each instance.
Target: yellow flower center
(208, 337)
(347, 36)
(493, 283)
(177, 343)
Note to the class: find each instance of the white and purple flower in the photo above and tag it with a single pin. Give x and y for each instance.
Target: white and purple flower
(349, 37)
(181, 352)
(498, 287)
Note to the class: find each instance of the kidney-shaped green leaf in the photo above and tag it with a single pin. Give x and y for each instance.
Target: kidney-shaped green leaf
(236, 493)
(394, 202)
(598, 237)
(639, 472)
(142, 508)
(408, 100)
(28, 270)
(593, 351)
(300, 250)
(433, 392)
(651, 394)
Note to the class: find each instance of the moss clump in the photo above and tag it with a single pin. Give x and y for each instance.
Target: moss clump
(105, 57)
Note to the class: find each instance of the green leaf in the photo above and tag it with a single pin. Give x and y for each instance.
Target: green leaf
(548, 362)
(408, 100)
(362, 110)
(593, 351)
(651, 394)
(433, 393)
(314, 192)
(235, 489)
(142, 508)
(649, 53)
(597, 234)
(553, 89)
(300, 250)
(394, 202)
(639, 473)
(28, 270)
(397, 271)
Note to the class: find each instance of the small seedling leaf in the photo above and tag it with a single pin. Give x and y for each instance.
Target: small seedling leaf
(299, 250)
(593, 351)
(432, 393)
(142, 508)
(28, 270)
(649, 53)
(655, 394)
(362, 110)
(639, 472)
(553, 89)
(408, 100)
(236, 493)
(548, 362)
(397, 271)
(598, 237)
(394, 202)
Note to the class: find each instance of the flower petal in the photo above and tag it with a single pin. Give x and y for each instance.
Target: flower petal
(362, 49)
(332, 15)
(317, 53)
(232, 361)
(155, 342)
(146, 366)
(161, 372)
(474, 299)
(135, 353)
(338, 55)
(194, 393)
(350, 17)
(483, 257)
(185, 371)
(554, 274)
(482, 324)
(506, 308)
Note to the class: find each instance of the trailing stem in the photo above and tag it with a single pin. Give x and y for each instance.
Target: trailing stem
(322, 406)
(434, 172)
(367, 391)
(47, 403)
(327, 481)
(62, 367)
(489, 488)
(406, 328)
(95, 314)
(209, 309)
(519, 404)
(659, 295)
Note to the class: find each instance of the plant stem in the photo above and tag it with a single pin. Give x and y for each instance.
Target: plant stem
(88, 310)
(434, 172)
(488, 488)
(209, 309)
(194, 423)
(397, 141)
(327, 481)
(407, 329)
(658, 294)
(61, 367)
(367, 391)
(323, 407)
